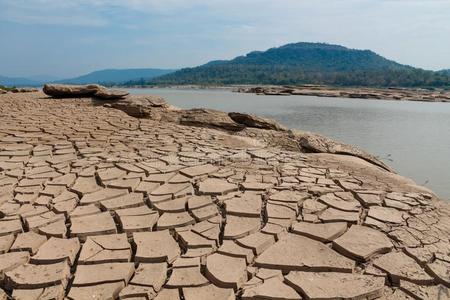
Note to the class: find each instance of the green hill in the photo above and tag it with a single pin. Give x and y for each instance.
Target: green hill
(307, 63)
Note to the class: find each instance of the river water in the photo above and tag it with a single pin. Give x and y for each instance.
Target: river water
(412, 137)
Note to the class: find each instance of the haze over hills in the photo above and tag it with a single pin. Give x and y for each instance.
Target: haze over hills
(17, 81)
(307, 63)
(116, 76)
(107, 77)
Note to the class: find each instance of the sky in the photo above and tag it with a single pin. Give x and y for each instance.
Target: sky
(65, 38)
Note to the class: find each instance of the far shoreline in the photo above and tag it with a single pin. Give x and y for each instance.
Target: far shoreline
(393, 94)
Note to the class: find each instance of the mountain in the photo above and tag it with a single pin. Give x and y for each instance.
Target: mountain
(307, 63)
(17, 81)
(113, 76)
(446, 71)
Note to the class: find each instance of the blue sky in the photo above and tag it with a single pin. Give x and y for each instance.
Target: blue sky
(72, 37)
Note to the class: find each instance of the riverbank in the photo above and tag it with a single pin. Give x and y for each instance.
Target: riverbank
(210, 204)
(398, 94)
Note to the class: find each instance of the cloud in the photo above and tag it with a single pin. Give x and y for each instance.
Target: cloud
(50, 12)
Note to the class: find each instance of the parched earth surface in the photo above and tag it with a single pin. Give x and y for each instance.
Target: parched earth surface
(96, 204)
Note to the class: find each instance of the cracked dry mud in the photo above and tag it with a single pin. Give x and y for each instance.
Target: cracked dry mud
(96, 204)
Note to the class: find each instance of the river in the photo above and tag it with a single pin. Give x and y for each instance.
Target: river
(412, 137)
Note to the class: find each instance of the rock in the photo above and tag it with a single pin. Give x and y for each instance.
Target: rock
(110, 94)
(330, 285)
(246, 205)
(386, 214)
(186, 277)
(424, 292)
(96, 291)
(361, 242)
(317, 143)
(441, 271)
(142, 106)
(293, 252)
(238, 227)
(31, 276)
(12, 260)
(209, 118)
(71, 91)
(97, 224)
(326, 232)
(226, 271)
(24, 90)
(103, 273)
(56, 250)
(208, 292)
(109, 248)
(199, 170)
(213, 186)
(28, 241)
(400, 266)
(155, 247)
(273, 288)
(255, 121)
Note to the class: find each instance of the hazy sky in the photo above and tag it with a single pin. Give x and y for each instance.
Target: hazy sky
(71, 37)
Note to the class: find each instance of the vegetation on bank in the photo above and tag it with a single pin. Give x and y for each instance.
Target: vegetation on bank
(6, 88)
(305, 63)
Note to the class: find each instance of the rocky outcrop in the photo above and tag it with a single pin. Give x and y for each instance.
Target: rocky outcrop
(255, 121)
(157, 109)
(24, 90)
(97, 204)
(70, 91)
(209, 118)
(104, 93)
(89, 90)
(312, 142)
(144, 106)
(359, 93)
